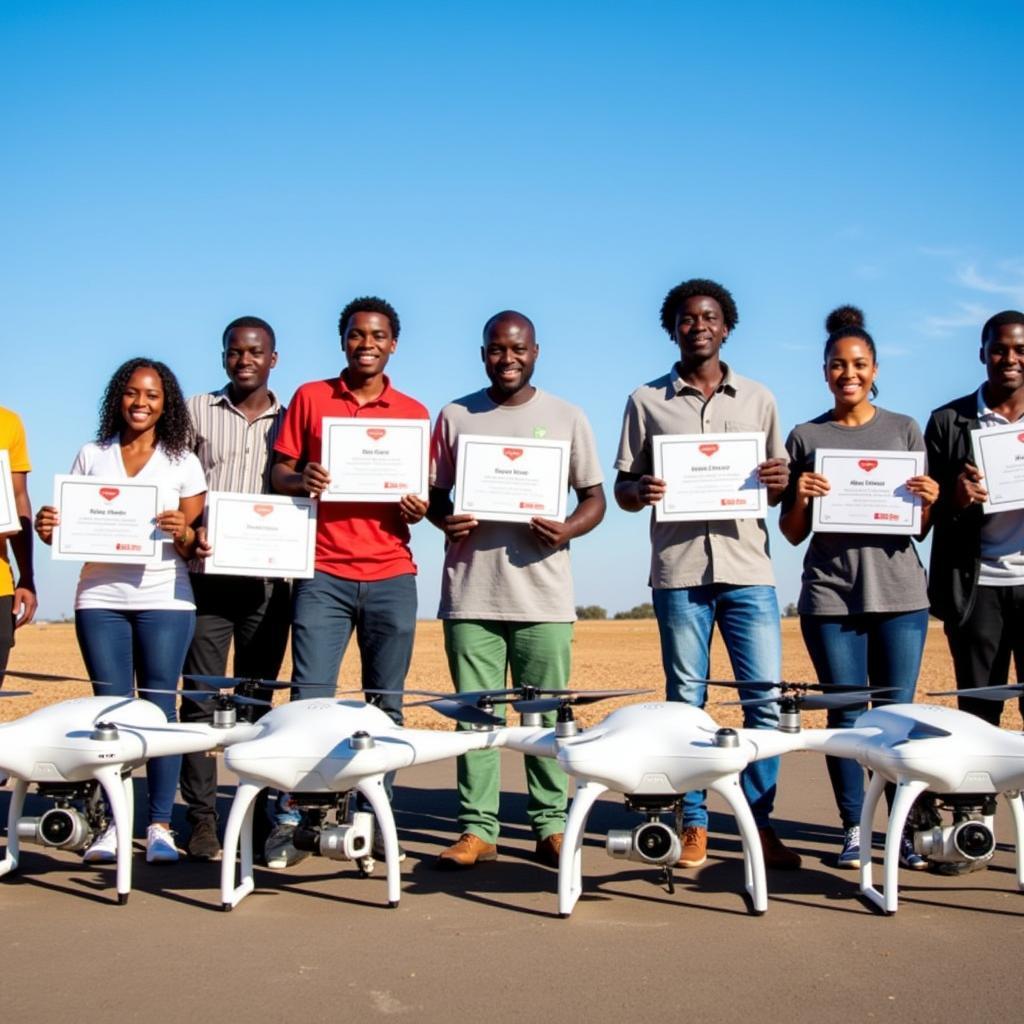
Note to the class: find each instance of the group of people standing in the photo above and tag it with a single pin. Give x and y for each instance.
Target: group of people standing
(507, 601)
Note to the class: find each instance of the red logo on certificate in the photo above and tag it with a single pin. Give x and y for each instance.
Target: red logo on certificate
(1020, 437)
(263, 510)
(867, 464)
(109, 493)
(375, 433)
(512, 453)
(707, 449)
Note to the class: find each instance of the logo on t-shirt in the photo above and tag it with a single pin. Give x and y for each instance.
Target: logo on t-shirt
(540, 431)
(512, 453)
(109, 493)
(867, 464)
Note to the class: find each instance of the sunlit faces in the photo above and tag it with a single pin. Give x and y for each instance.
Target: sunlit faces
(850, 371)
(1003, 356)
(248, 358)
(510, 355)
(368, 344)
(142, 403)
(700, 328)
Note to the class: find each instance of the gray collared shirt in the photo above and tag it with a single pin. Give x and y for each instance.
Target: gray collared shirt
(733, 551)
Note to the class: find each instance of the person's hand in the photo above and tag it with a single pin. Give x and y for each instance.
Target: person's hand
(811, 485)
(315, 479)
(925, 488)
(412, 508)
(650, 489)
(774, 474)
(551, 532)
(457, 527)
(173, 523)
(203, 546)
(24, 607)
(969, 490)
(45, 522)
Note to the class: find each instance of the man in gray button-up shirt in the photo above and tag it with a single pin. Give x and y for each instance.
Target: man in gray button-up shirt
(714, 572)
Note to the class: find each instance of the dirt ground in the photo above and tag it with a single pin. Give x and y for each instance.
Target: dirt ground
(607, 656)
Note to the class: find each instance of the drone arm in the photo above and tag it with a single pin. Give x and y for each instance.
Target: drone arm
(529, 740)
(838, 742)
(428, 745)
(772, 743)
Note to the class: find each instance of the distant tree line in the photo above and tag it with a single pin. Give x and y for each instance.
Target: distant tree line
(595, 611)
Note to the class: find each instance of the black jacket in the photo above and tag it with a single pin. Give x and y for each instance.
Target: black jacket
(956, 539)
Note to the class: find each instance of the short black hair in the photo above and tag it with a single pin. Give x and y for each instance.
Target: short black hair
(508, 314)
(698, 286)
(252, 322)
(1008, 316)
(173, 429)
(369, 304)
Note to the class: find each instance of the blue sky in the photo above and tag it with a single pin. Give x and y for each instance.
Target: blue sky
(167, 169)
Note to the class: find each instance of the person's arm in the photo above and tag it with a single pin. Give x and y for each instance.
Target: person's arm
(25, 602)
(635, 492)
(285, 477)
(795, 521)
(774, 474)
(589, 511)
(439, 512)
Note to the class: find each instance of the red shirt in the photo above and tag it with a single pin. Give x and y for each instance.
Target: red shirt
(354, 540)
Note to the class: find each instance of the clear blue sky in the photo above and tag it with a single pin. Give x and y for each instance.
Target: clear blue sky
(167, 168)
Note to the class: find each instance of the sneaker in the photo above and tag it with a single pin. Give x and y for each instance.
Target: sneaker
(695, 847)
(378, 848)
(203, 844)
(160, 848)
(279, 850)
(103, 849)
(909, 858)
(849, 856)
(776, 854)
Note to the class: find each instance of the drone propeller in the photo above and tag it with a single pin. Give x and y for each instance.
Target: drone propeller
(43, 677)
(734, 684)
(15, 693)
(229, 682)
(567, 698)
(473, 697)
(460, 711)
(984, 692)
(201, 695)
(812, 702)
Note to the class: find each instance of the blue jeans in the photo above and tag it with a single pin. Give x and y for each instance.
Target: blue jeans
(748, 618)
(883, 649)
(123, 648)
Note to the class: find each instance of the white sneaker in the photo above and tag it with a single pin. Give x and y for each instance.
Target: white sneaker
(103, 849)
(160, 848)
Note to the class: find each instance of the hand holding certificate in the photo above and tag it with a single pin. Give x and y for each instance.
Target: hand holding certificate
(374, 459)
(9, 520)
(868, 492)
(999, 455)
(511, 479)
(710, 476)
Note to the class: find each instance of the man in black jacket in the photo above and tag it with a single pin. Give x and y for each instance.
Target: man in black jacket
(976, 582)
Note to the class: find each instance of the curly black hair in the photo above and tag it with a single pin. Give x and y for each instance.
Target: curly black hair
(173, 429)
(697, 286)
(253, 323)
(370, 304)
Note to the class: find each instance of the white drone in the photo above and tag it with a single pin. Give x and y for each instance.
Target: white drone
(319, 751)
(67, 748)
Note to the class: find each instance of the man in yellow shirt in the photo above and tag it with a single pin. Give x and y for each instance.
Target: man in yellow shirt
(17, 600)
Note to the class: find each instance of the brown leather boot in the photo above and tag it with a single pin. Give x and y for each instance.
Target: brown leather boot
(695, 847)
(776, 855)
(469, 850)
(549, 848)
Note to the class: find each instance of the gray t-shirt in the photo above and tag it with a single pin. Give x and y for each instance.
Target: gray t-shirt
(854, 573)
(501, 570)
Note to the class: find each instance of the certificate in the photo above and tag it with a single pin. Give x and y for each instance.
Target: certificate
(709, 476)
(9, 520)
(260, 535)
(511, 479)
(999, 454)
(374, 460)
(867, 492)
(105, 520)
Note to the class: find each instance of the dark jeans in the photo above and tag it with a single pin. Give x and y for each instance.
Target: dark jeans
(6, 632)
(882, 649)
(252, 612)
(122, 648)
(982, 646)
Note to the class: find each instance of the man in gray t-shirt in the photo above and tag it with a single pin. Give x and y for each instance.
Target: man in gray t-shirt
(506, 593)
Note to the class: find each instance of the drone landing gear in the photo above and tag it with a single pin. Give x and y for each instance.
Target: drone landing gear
(668, 880)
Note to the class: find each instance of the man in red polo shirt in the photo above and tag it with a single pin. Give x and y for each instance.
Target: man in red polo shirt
(365, 578)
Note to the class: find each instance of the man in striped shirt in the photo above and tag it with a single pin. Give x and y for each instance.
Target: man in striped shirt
(235, 430)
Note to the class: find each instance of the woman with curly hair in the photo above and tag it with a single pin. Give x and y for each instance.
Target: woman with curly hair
(863, 603)
(134, 623)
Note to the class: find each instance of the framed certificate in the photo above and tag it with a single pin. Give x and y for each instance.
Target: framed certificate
(105, 520)
(709, 476)
(867, 492)
(260, 535)
(999, 454)
(511, 479)
(9, 521)
(375, 460)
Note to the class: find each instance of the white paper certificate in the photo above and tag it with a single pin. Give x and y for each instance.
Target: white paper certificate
(9, 521)
(374, 460)
(999, 454)
(260, 535)
(511, 479)
(709, 476)
(867, 492)
(105, 520)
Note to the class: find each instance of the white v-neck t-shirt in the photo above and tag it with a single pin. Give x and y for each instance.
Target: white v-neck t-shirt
(163, 585)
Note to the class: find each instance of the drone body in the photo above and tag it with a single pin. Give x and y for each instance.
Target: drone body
(653, 753)
(326, 747)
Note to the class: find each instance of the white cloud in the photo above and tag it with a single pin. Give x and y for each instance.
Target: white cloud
(1011, 285)
(968, 314)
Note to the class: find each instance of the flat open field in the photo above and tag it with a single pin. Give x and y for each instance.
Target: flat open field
(608, 655)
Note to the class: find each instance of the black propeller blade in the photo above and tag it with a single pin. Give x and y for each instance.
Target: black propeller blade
(43, 677)
(811, 702)
(15, 693)
(229, 683)
(984, 692)
(462, 712)
(538, 705)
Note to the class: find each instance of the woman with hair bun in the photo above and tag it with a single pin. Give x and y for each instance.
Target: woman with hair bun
(134, 623)
(863, 602)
